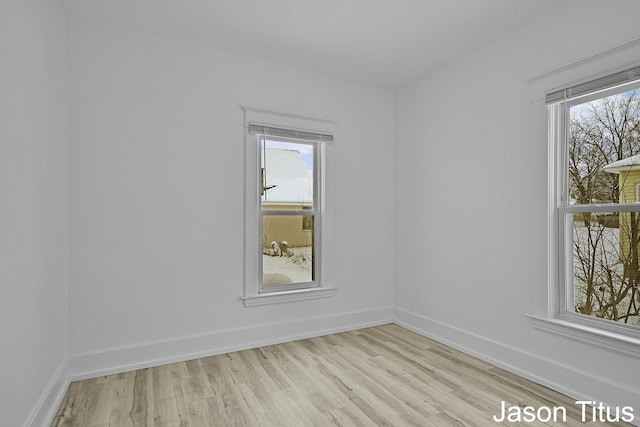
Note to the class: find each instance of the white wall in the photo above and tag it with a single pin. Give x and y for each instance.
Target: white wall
(156, 198)
(471, 197)
(33, 205)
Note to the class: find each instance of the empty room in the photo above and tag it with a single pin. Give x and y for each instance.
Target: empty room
(324, 213)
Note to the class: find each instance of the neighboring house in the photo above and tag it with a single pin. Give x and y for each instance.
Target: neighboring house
(288, 186)
(628, 171)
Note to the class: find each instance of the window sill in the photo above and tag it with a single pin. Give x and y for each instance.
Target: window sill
(288, 296)
(607, 340)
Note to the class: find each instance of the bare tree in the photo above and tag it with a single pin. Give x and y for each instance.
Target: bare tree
(606, 267)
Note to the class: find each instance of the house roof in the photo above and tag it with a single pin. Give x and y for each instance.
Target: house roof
(628, 164)
(286, 170)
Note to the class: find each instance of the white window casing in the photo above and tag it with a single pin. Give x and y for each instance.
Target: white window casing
(550, 304)
(262, 124)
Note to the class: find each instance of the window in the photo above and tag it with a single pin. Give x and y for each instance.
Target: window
(288, 203)
(285, 206)
(594, 131)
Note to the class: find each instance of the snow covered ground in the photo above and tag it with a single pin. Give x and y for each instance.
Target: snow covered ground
(296, 268)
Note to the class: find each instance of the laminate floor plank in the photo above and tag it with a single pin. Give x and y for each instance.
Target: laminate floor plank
(104, 404)
(122, 400)
(78, 404)
(379, 376)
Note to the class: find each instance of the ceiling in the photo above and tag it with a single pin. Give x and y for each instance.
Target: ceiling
(382, 42)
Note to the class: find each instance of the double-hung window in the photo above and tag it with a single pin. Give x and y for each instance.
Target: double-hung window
(289, 210)
(594, 130)
(285, 243)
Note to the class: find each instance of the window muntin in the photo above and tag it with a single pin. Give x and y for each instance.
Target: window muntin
(599, 169)
(289, 210)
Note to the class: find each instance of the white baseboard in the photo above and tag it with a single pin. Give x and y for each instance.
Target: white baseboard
(526, 365)
(51, 398)
(91, 365)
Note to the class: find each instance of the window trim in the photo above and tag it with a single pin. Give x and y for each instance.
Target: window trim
(304, 128)
(606, 340)
(288, 296)
(561, 320)
(543, 295)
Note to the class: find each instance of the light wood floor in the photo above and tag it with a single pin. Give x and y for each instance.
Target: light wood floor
(382, 376)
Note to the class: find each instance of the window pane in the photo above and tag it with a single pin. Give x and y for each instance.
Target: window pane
(604, 147)
(606, 270)
(287, 174)
(288, 249)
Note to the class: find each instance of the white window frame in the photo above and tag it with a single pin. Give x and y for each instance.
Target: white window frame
(254, 294)
(547, 303)
(558, 135)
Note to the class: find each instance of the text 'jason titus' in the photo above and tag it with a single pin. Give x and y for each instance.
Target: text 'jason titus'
(591, 411)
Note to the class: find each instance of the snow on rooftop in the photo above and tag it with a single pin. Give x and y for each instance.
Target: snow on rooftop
(628, 164)
(286, 170)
